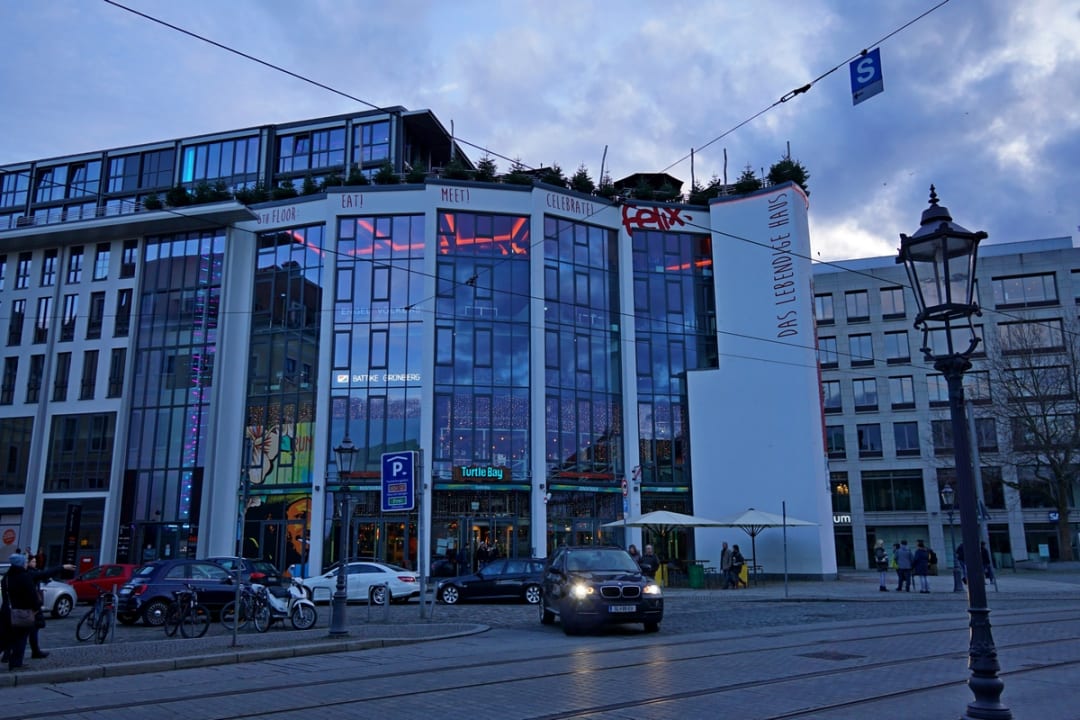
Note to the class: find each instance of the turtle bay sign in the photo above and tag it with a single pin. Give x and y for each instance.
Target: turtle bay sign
(482, 473)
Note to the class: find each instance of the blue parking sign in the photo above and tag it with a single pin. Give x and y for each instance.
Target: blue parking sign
(398, 481)
(866, 78)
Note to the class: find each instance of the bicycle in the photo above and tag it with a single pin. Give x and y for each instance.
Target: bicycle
(249, 604)
(186, 614)
(98, 622)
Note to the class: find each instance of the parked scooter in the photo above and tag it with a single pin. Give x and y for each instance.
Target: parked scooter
(295, 605)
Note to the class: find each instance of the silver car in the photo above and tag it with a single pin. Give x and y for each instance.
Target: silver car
(60, 597)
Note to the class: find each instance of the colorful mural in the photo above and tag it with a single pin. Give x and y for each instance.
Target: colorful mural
(280, 454)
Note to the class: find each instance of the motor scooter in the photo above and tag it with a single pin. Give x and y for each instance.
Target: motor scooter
(294, 605)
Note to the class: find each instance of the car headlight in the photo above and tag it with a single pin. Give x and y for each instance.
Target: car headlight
(652, 589)
(580, 591)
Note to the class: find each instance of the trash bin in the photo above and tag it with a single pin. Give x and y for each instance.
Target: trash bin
(696, 575)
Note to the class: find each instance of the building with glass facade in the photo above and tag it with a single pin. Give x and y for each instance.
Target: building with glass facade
(887, 422)
(558, 360)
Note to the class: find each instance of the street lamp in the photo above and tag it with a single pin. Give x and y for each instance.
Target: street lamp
(346, 453)
(940, 261)
(948, 497)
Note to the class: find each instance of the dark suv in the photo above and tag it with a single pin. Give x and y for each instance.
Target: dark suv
(148, 594)
(590, 586)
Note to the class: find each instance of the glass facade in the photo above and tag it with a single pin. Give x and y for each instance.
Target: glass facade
(173, 374)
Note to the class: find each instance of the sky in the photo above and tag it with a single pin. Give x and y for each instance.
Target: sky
(981, 97)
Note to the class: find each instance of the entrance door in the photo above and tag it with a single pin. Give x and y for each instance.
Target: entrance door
(487, 537)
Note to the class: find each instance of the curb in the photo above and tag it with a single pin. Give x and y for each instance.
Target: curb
(233, 657)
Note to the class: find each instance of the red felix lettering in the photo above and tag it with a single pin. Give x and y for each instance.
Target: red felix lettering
(652, 218)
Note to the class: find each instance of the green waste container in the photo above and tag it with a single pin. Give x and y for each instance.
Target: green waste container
(696, 575)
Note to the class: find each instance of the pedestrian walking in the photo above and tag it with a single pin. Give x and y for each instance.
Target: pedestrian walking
(39, 577)
(737, 563)
(881, 562)
(649, 563)
(19, 594)
(903, 559)
(920, 566)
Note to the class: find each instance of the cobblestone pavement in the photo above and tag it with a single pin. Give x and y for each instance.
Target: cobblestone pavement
(851, 597)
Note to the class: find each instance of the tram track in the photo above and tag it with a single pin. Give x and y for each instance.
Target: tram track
(441, 683)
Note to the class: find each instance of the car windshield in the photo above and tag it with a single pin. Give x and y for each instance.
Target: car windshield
(265, 568)
(144, 570)
(617, 560)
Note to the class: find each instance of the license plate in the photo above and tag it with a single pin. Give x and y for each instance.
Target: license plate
(622, 608)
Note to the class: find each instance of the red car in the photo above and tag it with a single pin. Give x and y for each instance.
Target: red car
(103, 577)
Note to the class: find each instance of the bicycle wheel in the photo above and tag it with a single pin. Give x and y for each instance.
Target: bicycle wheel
(85, 629)
(230, 617)
(261, 617)
(172, 619)
(104, 626)
(195, 622)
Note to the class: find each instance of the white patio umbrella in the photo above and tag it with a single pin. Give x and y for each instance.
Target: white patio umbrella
(753, 522)
(662, 521)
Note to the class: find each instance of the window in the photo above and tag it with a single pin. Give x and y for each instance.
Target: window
(865, 394)
(15, 325)
(89, 375)
(827, 354)
(977, 386)
(834, 441)
(311, 150)
(33, 382)
(893, 491)
(157, 169)
(123, 313)
(116, 372)
(897, 348)
(74, 271)
(941, 434)
(97, 316)
(869, 440)
(861, 349)
(233, 162)
(1031, 337)
(3, 270)
(841, 492)
(858, 305)
(1025, 290)
(22, 271)
(129, 258)
(906, 436)
(830, 392)
(123, 174)
(938, 390)
(902, 392)
(71, 312)
(823, 309)
(892, 302)
(986, 434)
(373, 143)
(51, 184)
(14, 189)
(84, 179)
(1035, 488)
(48, 269)
(101, 261)
(60, 382)
(41, 323)
(1045, 382)
(7, 383)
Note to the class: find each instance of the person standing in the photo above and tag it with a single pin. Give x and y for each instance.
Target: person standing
(649, 563)
(737, 563)
(19, 592)
(881, 562)
(903, 559)
(725, 563)
(920, 566)
(633, 552)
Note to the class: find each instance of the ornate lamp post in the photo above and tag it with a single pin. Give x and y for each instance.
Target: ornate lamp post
(948, 497)
(940, 261)
(346, 453)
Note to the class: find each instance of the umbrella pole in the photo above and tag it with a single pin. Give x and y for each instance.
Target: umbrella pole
(783, 509)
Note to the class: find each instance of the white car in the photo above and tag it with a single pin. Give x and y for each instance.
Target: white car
(60, 597)
(361, 577)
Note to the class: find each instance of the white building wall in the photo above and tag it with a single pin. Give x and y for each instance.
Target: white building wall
(756, 431)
